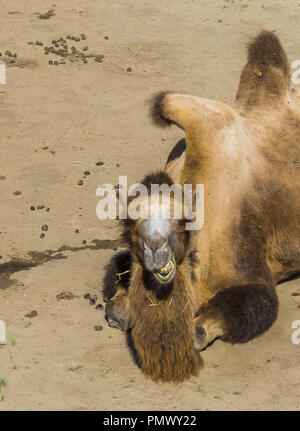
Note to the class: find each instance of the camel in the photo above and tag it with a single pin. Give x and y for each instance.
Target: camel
(178, 291)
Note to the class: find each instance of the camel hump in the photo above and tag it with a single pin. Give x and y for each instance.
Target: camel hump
(189, 112)
(266, 49)
(266, 76)
(159, 112)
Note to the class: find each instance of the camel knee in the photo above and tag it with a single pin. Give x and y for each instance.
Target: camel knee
(236, 315)
(116, 311)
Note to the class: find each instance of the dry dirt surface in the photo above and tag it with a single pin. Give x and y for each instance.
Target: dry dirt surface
(57, 122)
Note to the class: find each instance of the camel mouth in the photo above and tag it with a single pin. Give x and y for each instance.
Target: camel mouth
(166, 273)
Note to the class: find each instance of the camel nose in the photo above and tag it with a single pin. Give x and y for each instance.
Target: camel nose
(156, 241)
(157, 252)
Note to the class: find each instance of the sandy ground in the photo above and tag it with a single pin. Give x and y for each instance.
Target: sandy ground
(56, 123)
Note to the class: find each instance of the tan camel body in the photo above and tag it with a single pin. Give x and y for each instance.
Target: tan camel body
(224, 284)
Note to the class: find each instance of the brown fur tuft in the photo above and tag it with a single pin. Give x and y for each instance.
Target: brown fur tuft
(266, 77)
(157, 112)
(266, 49)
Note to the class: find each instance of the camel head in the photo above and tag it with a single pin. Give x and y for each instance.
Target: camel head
(159, 240)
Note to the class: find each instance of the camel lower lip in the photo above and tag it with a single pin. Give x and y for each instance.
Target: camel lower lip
(166, 272)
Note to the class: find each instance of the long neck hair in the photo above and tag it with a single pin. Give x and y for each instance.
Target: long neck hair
(163, 330)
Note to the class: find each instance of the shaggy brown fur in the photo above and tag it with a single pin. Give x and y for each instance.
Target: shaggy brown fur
(248, 160)
(167, 354)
